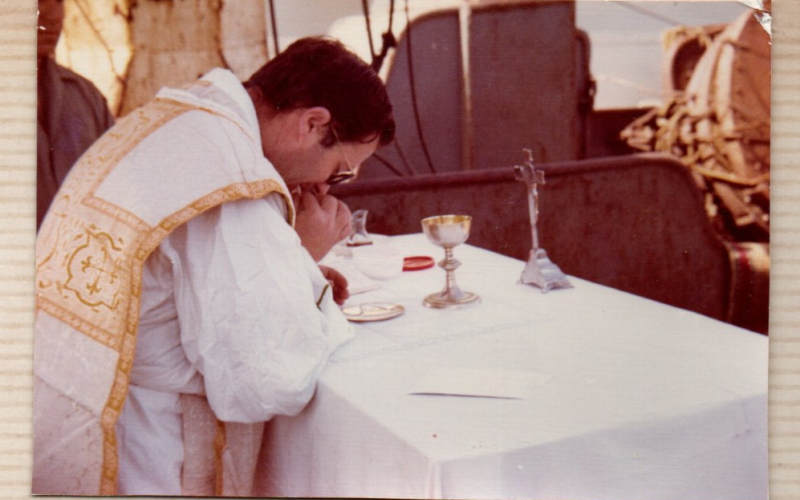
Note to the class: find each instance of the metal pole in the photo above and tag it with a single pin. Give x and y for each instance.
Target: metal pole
(465, 20)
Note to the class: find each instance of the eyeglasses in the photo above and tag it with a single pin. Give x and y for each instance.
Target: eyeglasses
(346, 175)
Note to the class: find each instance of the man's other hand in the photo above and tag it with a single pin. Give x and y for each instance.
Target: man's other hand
(338, 284)
(321, 222)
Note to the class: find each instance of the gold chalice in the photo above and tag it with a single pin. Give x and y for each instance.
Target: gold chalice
(448, 231)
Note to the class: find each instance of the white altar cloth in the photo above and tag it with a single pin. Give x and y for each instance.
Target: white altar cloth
(627, 398)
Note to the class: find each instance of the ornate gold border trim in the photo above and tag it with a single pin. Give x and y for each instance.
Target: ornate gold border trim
(143, 239)
(145, 245)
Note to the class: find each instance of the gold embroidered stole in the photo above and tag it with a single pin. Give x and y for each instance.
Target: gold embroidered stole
(90, 253)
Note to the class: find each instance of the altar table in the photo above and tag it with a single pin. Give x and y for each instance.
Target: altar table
(626, 398)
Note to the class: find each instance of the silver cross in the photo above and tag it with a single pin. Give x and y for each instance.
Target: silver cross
(539, 270)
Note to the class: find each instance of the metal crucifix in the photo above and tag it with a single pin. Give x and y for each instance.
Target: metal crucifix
(539, 270)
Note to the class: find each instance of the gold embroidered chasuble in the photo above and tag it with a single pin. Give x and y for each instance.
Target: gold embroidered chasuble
(117, 205)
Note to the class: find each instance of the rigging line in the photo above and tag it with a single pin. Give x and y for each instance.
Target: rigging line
(403, 157)
(274, 27)
(365, 8)
(220, 49)
(650, 13)
(388, 41)
(413, 86)
(386, 163)
(387, 38)
(391, 15)
(102, 41)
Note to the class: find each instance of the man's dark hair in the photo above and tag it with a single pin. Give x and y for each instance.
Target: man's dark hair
(322, 72)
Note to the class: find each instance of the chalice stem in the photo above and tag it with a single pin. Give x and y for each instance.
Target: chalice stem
(450, 264)
(451, 286)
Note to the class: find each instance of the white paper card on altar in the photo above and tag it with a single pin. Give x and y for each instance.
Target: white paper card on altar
(507, 384)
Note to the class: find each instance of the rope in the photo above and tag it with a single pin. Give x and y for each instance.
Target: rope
(274, 27)
(403, 157)
(386, 163)
(388, 40)
(365, 8)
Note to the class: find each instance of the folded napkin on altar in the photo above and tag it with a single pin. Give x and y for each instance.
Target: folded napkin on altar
(357, 282)
(509, 384)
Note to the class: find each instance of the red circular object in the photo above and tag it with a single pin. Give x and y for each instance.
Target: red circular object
(417, 263)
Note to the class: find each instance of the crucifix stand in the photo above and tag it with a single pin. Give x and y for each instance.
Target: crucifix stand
(539, 270)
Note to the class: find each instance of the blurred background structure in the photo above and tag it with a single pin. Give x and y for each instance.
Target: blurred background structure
(98, 39)
(651, 119)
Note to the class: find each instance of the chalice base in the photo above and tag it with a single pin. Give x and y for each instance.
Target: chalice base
(445, 299)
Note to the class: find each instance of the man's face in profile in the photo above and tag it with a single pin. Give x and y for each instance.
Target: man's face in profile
(51, 17)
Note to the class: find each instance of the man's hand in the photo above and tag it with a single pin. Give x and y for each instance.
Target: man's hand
(321, 222)
(338, 284)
